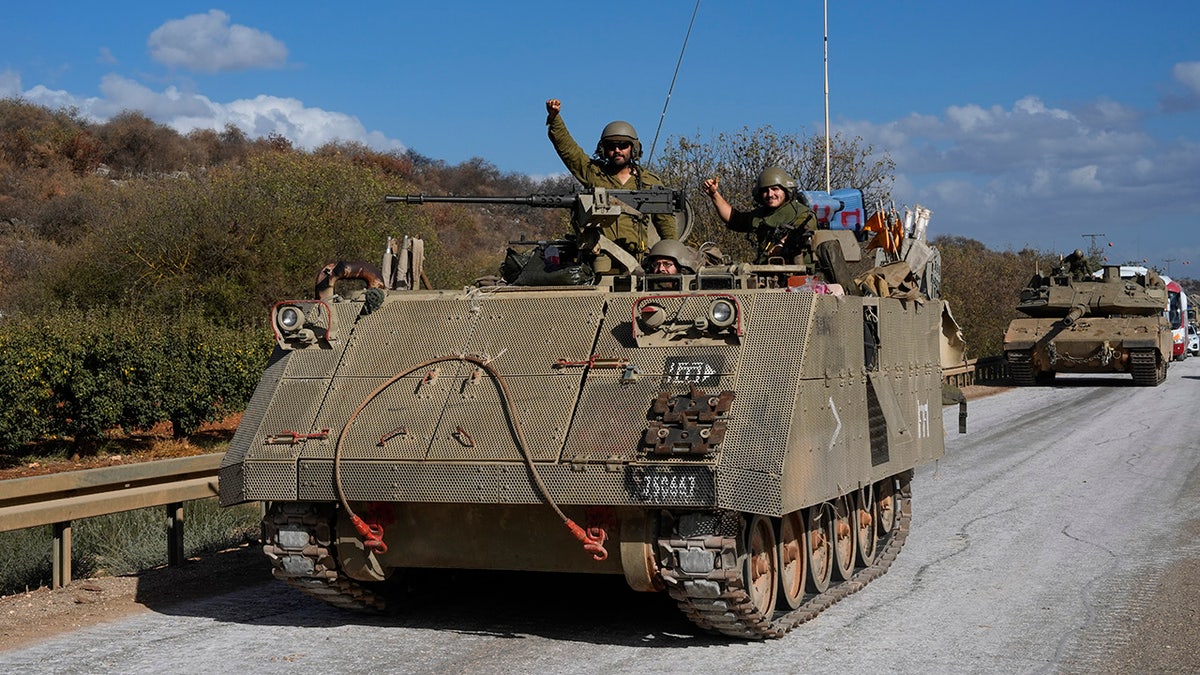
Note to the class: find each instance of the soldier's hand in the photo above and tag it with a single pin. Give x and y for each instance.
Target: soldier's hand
(553, 106)
(710, 186)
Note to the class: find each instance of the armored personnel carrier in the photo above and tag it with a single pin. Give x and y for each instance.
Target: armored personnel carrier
(739, 437)
(1084, 322)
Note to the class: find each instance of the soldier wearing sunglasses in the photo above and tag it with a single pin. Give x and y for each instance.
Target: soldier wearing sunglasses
(614, 165)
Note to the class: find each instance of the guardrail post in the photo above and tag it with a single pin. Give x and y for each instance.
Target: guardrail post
(61, 558)
(175, 534)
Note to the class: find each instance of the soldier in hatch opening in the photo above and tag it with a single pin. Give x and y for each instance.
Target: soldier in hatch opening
(1078, 266)
(781, 224)
(614, 165)
(670, 256)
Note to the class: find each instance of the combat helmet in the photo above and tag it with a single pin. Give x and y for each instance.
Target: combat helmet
(620, 130)
(773, 175)
(684, 257)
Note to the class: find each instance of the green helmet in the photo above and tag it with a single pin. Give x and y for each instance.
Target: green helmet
(773, 175)
(674, 249)
(619, 130)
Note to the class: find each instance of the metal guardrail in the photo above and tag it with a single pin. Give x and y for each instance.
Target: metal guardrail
(58, 499)
(991, 369)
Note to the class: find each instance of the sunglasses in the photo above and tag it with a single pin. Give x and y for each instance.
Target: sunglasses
(617, 145)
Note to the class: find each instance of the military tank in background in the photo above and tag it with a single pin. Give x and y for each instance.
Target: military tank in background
(741, 437)
(1080, 321)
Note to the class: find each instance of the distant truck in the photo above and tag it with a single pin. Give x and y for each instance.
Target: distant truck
(1177, 311)
(1084, 323)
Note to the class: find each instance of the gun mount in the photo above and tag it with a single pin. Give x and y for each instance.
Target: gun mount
(592, 209)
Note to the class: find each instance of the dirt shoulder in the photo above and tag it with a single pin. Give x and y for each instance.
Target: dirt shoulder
(27, 618)
(44, 613)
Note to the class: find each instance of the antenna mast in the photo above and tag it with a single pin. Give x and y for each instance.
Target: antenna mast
(650, 157)
(828, 183)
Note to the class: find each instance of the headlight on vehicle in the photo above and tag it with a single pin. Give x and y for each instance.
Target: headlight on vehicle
(289, 319)
(651, 317)
(722, 313)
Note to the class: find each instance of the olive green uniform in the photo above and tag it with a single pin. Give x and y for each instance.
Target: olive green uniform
(784, 225)
(628, 232)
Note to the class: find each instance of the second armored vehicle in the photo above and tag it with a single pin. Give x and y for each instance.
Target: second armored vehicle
(1080, 322)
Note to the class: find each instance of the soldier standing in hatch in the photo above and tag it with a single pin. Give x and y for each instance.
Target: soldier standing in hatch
(781, 224)
(614, 165)
(1078, 266)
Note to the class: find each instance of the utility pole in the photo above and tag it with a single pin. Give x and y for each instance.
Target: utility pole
(1094, 252)
(1168, 261)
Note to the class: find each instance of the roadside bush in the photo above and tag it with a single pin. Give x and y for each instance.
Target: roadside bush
(32, 364)
(80, 374)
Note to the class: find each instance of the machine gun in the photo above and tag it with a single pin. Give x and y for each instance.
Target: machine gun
(592, 209)
(595, 202)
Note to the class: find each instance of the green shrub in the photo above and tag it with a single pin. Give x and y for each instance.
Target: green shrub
(81, 374)
(29, 366)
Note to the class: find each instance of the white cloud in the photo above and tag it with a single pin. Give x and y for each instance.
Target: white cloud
(1188, 74)
(1084, 178)
(1036, 174)
(57, 98)
(970, 117)
(124, 94)
(208, 43)
(995, 141)
(306, 127)
(1032, 105)
(10, 83)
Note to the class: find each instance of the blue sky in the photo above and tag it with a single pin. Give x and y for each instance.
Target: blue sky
(1017, 123)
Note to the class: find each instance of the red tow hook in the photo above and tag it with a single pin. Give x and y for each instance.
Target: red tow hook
(593, 539)
(372, 535)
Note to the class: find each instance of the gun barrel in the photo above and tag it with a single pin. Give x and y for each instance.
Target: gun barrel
(539, 200)
(1076, 312)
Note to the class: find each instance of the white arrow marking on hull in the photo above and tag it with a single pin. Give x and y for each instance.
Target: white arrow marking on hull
(837, 418)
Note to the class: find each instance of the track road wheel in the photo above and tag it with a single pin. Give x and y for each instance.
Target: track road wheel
(760, 572)
(865, 514)
(793, 561)
(843, 538)
(885, 507)
(904, 491)
(818, 535)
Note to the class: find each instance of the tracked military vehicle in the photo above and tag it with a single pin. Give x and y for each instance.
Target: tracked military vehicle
(1084, 322)
(741, 438)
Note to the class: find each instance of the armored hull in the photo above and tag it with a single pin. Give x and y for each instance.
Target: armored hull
(1092, 324)
(745, 448)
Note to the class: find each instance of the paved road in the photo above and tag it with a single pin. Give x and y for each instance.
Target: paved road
(1036, 544)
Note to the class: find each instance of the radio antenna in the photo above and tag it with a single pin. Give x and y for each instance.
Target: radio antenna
(828, 182)
(672, 87)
